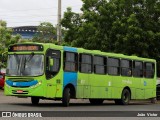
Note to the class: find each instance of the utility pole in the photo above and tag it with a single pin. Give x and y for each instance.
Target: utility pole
(59, 24)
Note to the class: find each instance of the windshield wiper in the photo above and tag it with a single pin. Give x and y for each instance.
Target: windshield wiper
(30, 57)
(26, 60)
(18, 61)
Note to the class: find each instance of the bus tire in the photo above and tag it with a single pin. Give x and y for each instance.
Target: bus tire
(35, 100)
(66, 97)
(125, 97)
(96, 101)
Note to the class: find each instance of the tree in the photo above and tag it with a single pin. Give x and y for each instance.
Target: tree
(72, 22)
(6, 38)
(137, 28)
(131, 27)
(47, 33)
(122, 26)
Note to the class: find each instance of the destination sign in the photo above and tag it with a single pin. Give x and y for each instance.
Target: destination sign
(16, 48)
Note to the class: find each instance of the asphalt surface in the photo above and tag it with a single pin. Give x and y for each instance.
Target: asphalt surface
(9, 103)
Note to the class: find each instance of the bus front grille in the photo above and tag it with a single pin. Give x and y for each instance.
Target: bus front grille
(16, 92)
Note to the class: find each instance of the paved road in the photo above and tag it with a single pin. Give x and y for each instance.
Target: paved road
(9, 103)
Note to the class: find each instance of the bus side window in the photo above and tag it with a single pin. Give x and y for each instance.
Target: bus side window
(126, 67)
(149, 70)
(99, 64)
(85, 63)
(55, 66)
(70, 62)
(113, 66)
(137, 69)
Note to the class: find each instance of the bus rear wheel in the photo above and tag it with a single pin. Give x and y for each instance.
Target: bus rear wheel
(125, 98)
(35, 100)
(66, 97)
(96, 101)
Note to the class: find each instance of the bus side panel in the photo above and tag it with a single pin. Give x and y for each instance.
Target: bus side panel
(83, 86)
(59, 90)
(99, 92)
(79, 91)
(145, 88)
(100, 86)
(119, 83)
(149, 93)
(70, 78)
(150, 88)
(115, 83)
(140, 93)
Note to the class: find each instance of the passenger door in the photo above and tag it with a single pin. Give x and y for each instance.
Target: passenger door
(52, 72)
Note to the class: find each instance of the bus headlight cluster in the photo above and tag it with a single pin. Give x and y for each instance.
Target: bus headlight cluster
(38, 84)
(7, 85)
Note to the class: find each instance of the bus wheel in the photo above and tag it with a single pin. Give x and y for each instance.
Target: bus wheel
(125, 97)
(96, 101)
(35, 100)
(66, 97)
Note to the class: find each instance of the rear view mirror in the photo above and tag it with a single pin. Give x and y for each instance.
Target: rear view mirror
(51, 62)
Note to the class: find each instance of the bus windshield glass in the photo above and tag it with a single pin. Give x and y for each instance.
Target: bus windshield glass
(25, 65)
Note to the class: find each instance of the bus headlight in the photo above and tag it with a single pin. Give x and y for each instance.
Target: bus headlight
(7, 85)
(38, 84)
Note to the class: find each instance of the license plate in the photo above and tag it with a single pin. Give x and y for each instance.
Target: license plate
(19, 91)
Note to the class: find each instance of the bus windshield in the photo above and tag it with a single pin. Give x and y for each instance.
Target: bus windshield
(25, 65)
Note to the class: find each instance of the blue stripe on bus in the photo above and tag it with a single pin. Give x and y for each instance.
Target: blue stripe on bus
(71, 49)
(21, 84)
(70, 77)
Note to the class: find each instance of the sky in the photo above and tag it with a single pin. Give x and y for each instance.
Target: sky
(33, 12)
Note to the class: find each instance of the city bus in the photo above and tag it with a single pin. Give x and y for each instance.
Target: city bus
(49, 71)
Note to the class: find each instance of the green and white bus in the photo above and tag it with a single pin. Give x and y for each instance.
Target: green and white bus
(49, 71)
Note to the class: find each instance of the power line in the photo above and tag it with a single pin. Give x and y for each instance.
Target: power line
(11, 14)
(10, 17)
(10, 11)
(63, 7)
(28, 15)
(20, 11)
(30, 9)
